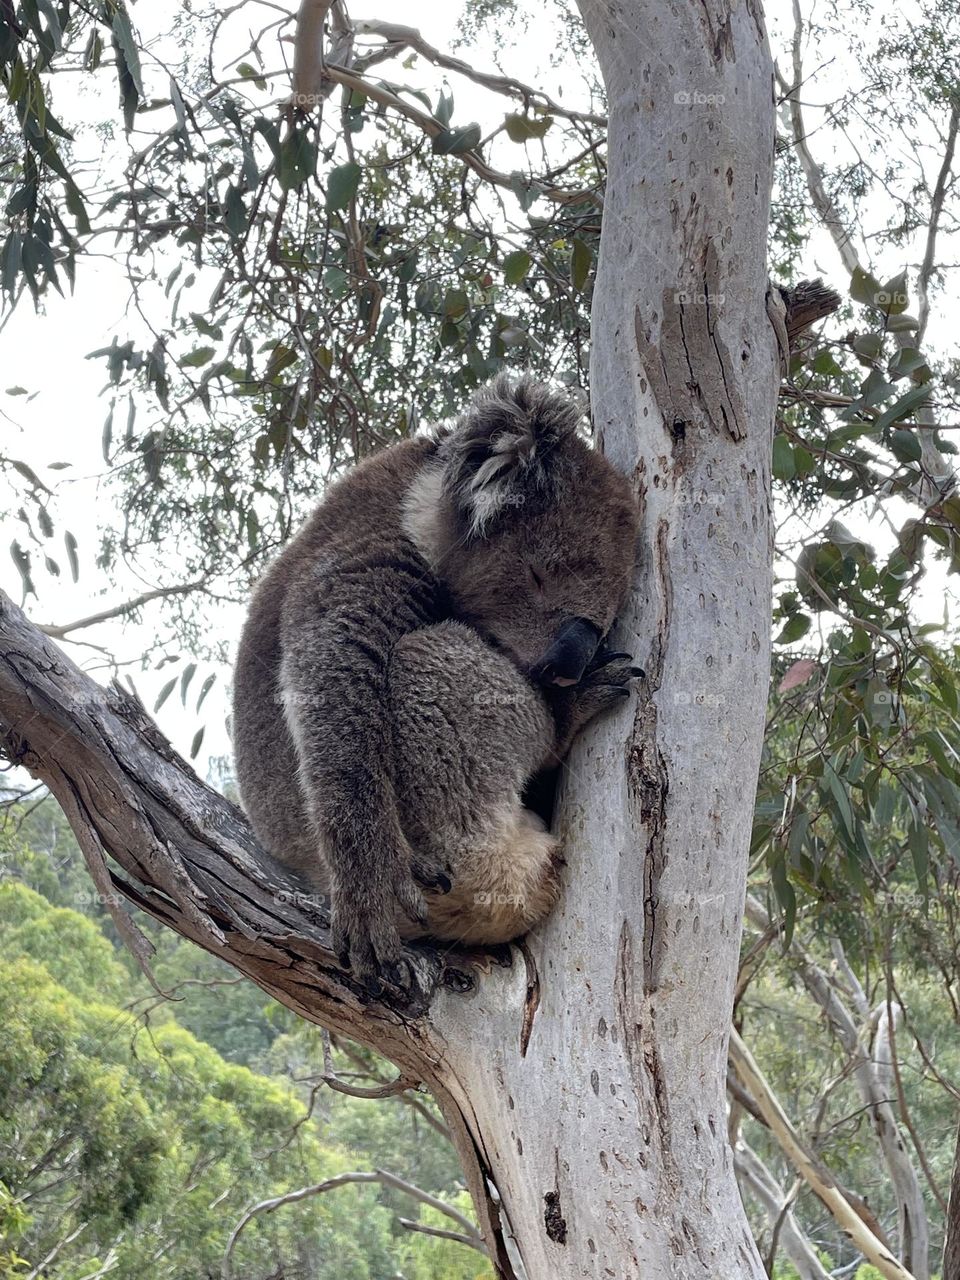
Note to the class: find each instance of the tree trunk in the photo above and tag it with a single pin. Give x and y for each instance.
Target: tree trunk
(601, 1111)
(584, 1080)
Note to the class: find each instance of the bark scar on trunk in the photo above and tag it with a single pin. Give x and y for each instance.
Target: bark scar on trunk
(553, 1219)
(694, 378)
(531, 1001)
(647, 772)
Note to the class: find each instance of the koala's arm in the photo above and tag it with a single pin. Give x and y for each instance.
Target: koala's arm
(338, 631)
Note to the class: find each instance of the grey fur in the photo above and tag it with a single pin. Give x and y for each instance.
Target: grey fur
(385, 721)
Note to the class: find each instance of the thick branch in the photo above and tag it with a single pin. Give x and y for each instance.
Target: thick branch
(814, 1174)
(756, 1178)
(876, 1094)
(187, 857)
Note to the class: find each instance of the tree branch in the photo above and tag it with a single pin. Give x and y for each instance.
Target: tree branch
(188, 857)
(469, 1236)
(936, 209)
(912, 1221)
(815, 1175)
(410, 38)
(433, 127)
(121, 610)
(760, 1182)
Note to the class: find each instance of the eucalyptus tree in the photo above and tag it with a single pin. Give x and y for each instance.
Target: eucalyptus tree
(322, 256)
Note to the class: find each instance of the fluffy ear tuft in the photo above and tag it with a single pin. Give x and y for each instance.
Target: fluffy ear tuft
(507, 449)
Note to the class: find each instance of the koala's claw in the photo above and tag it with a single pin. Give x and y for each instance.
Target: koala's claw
(366, 938)
(603, 659)
(431, 879)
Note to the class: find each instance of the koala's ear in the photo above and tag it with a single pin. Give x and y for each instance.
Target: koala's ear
(507, 449)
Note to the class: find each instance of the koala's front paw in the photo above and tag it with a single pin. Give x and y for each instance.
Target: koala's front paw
(603, 687)
(605, 684)
(365, 934)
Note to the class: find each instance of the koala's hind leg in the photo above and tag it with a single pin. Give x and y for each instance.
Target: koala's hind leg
(469, 731)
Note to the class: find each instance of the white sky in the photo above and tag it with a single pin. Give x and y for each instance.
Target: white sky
(63, 418)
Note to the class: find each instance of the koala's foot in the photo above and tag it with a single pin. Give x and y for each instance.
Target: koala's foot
(605, 686)
(366, 937)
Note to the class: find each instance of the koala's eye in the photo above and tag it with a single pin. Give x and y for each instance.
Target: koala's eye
(535, 577)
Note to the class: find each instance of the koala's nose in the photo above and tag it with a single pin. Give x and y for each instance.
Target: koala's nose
(566, 660)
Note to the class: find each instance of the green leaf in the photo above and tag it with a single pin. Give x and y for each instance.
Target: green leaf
(794, 629)
(522, 128)
(580, 261)
(868, 345)
(203, 325)
(785, 897)
(251, 73)
(28, 474)
(196, 743)
(188, 673)
(206, 687)
(909, 362)
(905, 446)
(70, 543)
(902, 324)
(784, 466)
(165, 693)
(21, 559)
(296, 160)
(444, 110)
(122, 30)
(197, 358)
(840, 794)
(74, 202)
(234, 212)
(902, 408)
(107, 438)
(893, 297)
(453, 142)
(516, 265)
(342, 185)
(455, 303)
(864, 287)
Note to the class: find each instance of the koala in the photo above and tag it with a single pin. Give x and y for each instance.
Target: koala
(429, 641)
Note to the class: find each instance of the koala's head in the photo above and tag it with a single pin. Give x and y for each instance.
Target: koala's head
(533, 532)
